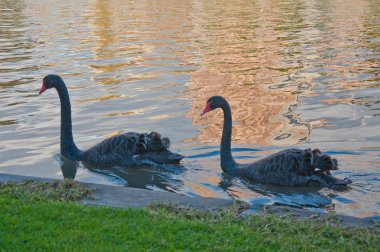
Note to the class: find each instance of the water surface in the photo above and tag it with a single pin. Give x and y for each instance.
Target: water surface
(296, 73)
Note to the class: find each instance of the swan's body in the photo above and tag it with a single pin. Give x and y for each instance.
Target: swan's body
(291, 167)
(128, 149)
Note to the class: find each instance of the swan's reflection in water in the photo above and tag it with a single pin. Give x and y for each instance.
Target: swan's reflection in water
(68, 167)
(313, 197)
(157, 177)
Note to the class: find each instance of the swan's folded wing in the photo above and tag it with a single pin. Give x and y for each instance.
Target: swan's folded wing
(125, 149)
(121, 144)
(134, 143)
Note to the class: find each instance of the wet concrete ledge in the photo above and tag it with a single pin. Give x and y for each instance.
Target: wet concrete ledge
(127, 197)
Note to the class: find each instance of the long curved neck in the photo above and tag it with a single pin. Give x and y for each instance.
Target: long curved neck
(228, 164)
(68, 147)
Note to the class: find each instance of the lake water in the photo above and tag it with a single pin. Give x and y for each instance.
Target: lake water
(297, 73)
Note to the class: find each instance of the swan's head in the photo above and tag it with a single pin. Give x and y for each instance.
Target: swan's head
(50, 81)
(214, 102)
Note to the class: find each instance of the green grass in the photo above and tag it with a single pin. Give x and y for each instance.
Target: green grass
(33, 218)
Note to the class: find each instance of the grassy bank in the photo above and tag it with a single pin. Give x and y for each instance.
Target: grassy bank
(38, 216)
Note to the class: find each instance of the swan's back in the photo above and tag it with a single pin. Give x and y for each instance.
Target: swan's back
(126, 149)
(288, 167)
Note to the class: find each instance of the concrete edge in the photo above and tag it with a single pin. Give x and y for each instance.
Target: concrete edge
(128, 197)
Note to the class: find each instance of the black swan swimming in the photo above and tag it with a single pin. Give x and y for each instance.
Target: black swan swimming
(291, 167)
(128, 149)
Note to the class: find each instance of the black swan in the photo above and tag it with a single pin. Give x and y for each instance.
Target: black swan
(128, 149)
(291, 167)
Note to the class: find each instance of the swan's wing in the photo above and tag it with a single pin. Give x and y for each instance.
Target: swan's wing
(124, 148)
(154, 142)
(294, 167)
(132, 143)
(112, 149)
(304, 162)
(157, 149)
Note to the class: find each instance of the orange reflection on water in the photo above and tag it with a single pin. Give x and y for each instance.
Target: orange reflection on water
(257, 111)
(263, 55)
(101, 98)
(240, 60)
(201, 190)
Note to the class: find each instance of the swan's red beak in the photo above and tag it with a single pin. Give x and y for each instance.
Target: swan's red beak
(206, 109)
(43, 88)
